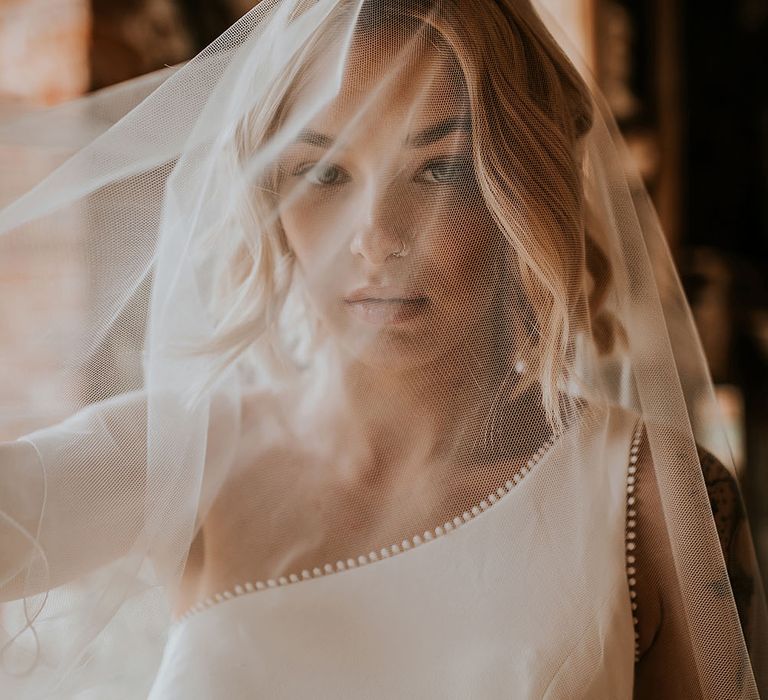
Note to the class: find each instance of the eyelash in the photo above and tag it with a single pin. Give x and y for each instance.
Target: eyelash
(462, 164)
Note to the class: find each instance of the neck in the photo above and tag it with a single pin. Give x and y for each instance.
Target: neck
(431, 415)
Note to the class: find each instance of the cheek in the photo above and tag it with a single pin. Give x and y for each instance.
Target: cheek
(316, 253)
(316, 231)
(463, 248)
(296, 224)
(304, 236)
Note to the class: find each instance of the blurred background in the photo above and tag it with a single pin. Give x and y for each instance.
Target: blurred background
(686, 80)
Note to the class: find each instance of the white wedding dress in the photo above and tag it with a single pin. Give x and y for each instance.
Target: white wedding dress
(506, 605)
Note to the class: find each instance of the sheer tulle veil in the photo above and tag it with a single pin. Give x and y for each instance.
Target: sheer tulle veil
(349, 234)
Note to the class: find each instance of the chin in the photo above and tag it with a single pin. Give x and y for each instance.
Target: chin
(393, 352)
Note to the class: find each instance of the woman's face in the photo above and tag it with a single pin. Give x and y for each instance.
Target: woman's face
(379, 204)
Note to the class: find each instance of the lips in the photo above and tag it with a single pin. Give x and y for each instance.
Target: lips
(385, 305)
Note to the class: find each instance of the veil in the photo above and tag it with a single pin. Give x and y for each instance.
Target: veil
(328, 284)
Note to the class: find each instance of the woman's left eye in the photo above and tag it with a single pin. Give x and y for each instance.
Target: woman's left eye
(446, 171)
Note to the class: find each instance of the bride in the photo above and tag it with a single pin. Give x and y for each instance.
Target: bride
(415, 410)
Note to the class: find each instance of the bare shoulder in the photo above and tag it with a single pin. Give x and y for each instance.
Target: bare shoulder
(732, 525)
(662, 641)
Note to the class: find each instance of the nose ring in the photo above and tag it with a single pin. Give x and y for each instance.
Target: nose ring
(400, 253)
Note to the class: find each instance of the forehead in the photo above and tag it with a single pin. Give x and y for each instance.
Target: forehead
(392, 81)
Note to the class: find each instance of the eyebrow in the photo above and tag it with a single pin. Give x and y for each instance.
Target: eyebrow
(314, 138)
(418, 140)
(439, 131)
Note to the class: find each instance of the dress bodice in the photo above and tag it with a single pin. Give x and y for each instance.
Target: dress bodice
(528, 598)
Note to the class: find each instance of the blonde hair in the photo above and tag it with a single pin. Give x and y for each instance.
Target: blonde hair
(530, 110)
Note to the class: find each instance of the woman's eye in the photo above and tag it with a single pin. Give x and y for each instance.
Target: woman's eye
(446, 171)
(323, 174)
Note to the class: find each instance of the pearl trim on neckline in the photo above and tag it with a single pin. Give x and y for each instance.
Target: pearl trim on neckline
(384, 553)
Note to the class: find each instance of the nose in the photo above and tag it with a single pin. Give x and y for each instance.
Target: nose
(381, 229)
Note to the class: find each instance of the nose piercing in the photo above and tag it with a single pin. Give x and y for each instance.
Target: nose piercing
(400, 253)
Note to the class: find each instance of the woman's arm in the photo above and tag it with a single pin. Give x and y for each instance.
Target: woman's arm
(666, 668)
(735, 539)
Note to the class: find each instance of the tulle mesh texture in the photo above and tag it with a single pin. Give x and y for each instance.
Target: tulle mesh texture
(327, 286)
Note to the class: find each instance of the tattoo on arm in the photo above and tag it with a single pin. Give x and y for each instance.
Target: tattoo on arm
(733, 531)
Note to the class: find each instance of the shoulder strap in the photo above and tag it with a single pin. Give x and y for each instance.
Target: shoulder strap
(631, 524)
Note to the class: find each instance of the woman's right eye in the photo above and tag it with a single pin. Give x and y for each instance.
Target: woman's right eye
(323, 174)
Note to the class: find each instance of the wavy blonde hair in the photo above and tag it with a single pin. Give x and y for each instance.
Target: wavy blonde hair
(530, 111)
